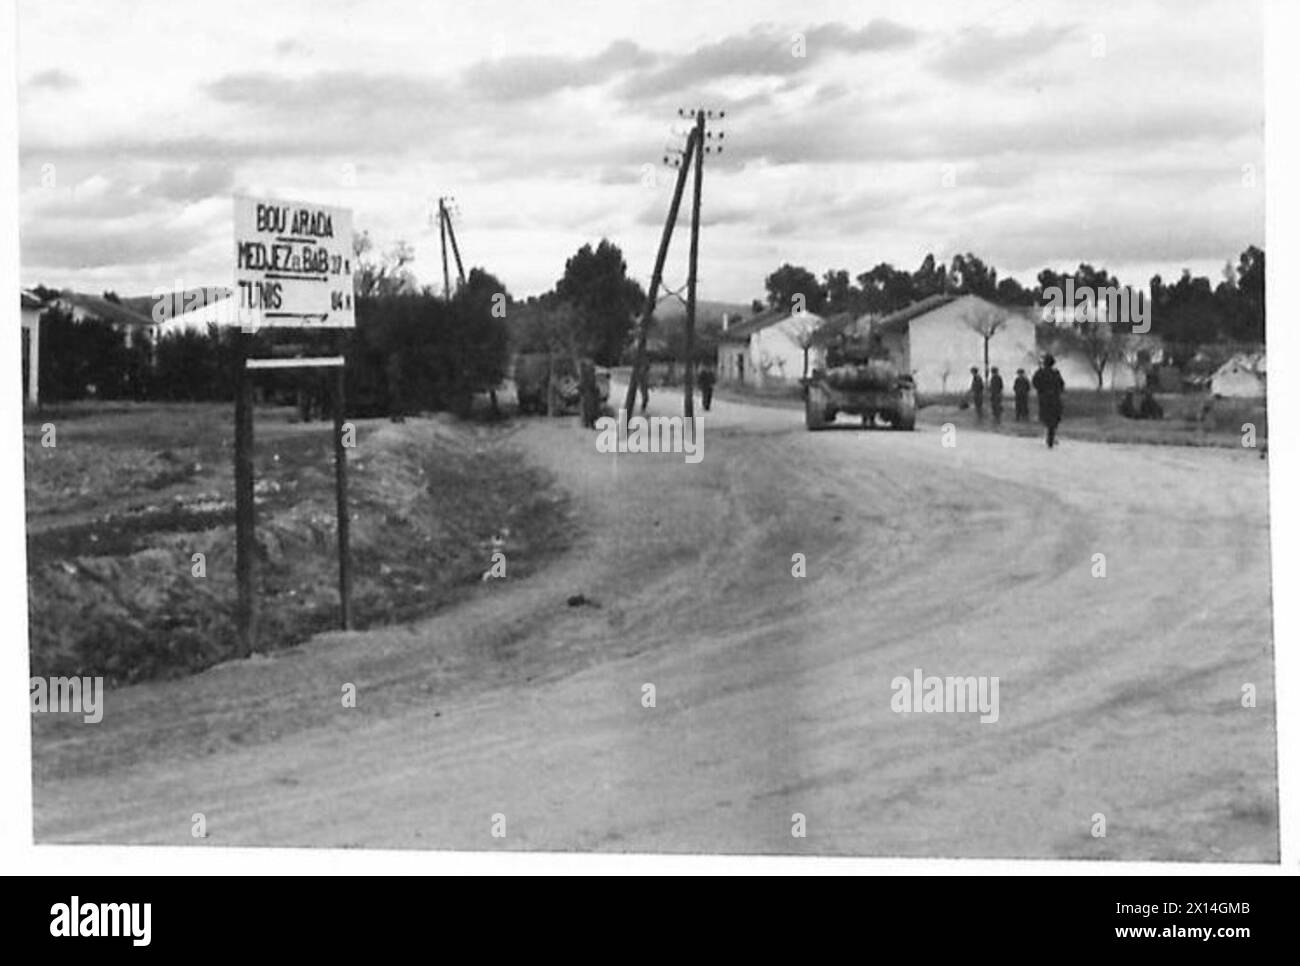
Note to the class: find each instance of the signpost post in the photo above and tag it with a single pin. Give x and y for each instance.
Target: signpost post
(293, 269)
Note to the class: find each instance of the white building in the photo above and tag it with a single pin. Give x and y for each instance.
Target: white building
(31, 308)
(769, 349)
(939, 339)
(1244, 376)
(193, 310)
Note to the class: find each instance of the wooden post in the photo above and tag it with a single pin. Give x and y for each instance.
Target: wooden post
(652, 295)
(442, 228)
(245, 540)
(688, 379)
(341, 495)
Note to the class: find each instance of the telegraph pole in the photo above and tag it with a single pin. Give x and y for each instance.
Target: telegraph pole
(652, 294)
(442, 230)
(697, 145)
(688, 380)
(701, 136)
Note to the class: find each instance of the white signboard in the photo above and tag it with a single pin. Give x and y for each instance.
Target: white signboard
(293, 264)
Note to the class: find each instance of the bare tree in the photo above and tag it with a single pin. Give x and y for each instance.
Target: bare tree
(1095, 337)
(1138, 352)
(986, 321)
(385, 275)
(804, 329)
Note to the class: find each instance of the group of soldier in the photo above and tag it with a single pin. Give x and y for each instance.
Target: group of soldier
(1047, 383)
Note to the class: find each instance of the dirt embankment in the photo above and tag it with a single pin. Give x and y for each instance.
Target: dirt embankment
(127, 497)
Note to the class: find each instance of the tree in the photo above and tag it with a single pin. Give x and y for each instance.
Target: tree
(1011, 292)
(792, 287)
(604, 300)
(1095, 338)
(986, 321)
(886, 289)
(805, 329)
(973, 277)
(1138, 353)
(841, 294)
(381, 276)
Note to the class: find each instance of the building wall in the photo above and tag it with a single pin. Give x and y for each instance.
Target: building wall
(1237, 382)
(942, 347)
(1078, 373)
(31, 320)
(777, 354)
(733, 365)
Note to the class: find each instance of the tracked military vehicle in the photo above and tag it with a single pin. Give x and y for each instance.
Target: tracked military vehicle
(862, 382)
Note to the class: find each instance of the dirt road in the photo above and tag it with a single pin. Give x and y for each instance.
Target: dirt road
(1119, 696)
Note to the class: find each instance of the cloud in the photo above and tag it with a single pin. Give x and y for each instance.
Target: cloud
(977, 53)
(54, 79)
(536, 76)
(194, 183)
(290, 46)
(58, 244)
(764, 51)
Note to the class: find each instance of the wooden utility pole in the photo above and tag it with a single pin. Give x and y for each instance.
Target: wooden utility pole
(341, 499)
(245, 541)
(689, 376)
(442, 229)
(455, 249)
(652, 294)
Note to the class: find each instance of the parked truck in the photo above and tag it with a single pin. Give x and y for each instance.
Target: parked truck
(537, 374)
(854, 381)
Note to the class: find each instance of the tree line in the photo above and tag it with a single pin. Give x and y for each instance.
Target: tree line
(1191, 310)
(412, 349)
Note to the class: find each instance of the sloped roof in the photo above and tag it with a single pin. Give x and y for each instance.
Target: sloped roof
(742, 330)
(171, 304)
(104, 309)
(30, 300)
(1253, 362)
(897, 322)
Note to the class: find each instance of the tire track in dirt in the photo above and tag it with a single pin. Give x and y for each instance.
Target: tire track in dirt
(1117, 695)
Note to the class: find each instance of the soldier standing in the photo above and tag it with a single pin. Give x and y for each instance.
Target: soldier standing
(977, 393)
(1049, 385)
(1021, 388)
(995, 396)
(643, 383)
(707, 378)
(588, 395)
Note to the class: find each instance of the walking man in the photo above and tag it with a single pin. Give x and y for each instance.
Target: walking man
(977, 393)
(643, 383)
(1049, 385)
(707, 379)
(995, 396)
(1021, 388)
(588, 394)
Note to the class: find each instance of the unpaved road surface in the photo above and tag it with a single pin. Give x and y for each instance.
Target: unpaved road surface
(1119, 696)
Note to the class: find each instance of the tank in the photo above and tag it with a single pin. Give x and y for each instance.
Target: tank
(872, 388)
(535, 373)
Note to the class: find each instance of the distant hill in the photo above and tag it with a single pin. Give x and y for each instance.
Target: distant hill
(671, 308)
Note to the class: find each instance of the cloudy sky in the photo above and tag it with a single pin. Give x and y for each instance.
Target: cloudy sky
(1033, 134)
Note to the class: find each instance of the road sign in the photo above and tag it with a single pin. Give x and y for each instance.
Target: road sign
(293, 264)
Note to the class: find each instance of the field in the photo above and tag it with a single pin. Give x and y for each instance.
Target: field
(120, 505)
